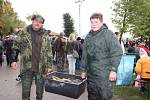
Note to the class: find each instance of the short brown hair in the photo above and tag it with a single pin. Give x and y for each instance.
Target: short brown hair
(97, 16)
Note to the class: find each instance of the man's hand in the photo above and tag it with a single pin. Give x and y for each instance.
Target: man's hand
(13, 65)
(83, 75)
(49, 70)
(112, 76)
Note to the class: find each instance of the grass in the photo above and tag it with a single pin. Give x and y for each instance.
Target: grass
(129, 93)
(126, 92)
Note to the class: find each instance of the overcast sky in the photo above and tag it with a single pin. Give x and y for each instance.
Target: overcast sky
(53, 10)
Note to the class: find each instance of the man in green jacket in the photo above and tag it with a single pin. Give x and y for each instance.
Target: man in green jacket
(101, 56)
(35, 52)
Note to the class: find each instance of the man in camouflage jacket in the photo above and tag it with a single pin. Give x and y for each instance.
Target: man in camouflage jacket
(35, 54)
(101, 56)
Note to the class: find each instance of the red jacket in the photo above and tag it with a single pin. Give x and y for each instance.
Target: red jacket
(146, 49)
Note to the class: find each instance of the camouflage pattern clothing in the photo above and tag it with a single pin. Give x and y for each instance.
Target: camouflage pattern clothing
(32, 64)
(60, 45)
(101, 54)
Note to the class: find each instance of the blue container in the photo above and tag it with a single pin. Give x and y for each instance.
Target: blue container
(125, 70)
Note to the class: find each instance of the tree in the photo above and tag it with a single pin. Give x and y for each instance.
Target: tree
(140, 17)
(8, 18)
(120, 16)
(68, 24)
(132, 16)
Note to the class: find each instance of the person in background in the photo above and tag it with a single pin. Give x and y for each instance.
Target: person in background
(1, 51)
(143, 66)
(126, 43)
(59, 47)
(148, 44)
(122, 44)
(100, 58)
(8, 48)
(77, 64)
(71, 45)
(131, 47)
(143, 45)
(81, 48)
(53, 49)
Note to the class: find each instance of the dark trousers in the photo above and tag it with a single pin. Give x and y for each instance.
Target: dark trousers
(1, 59)
(60, 60)
(145, 84)
(27, 79)
(8, 59)
(99, 89)
(77, 64)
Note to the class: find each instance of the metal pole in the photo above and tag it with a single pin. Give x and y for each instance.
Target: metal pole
(79, 3)
(79, 19)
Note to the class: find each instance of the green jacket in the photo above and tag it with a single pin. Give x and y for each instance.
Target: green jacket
(23, 42)
(101, 52)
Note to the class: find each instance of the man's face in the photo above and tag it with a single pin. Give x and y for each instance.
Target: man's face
(37, 24)
(95, 24)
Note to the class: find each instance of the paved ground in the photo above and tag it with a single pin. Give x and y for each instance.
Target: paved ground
(10, 89)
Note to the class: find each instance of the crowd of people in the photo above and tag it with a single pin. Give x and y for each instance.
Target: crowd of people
(141, 50)
(39, 51)
(62, 51)
(134, 45)
(6, 48)
(142, 68)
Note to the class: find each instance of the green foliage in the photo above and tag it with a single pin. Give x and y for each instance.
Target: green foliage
(8, 18)
(140, 17)
(68, 24)
(132, 16)
(129, 93)
(120, 16)
(119, 13)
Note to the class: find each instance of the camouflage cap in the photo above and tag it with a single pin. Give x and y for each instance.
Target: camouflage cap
(38, 17)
